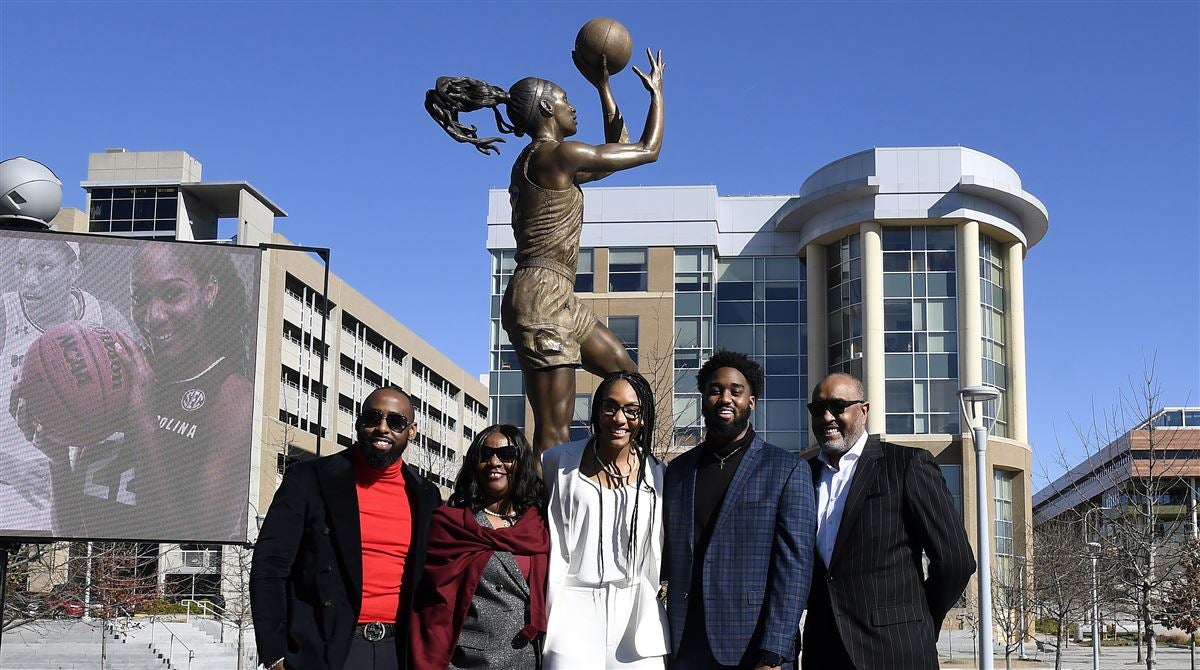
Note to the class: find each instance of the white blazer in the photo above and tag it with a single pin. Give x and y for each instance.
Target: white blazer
(647, 628)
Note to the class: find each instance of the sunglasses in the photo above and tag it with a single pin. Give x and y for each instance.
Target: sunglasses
(396, 422)
(506, 454)
(631, 412)
(834, 407)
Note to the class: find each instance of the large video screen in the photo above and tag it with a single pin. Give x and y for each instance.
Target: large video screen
(127, 387)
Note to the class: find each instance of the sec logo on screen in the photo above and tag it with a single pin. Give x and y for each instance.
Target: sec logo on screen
(192, 400)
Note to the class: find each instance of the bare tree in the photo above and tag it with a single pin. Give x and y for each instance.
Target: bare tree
(235, 589)
(1181, 605)
(1011, 604)
(968, 619)
(33, 570)
(1135, 470)
(657, 365)
(1061, 578)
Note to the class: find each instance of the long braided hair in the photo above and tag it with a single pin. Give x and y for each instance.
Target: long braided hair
(641, 442)
(452, 96)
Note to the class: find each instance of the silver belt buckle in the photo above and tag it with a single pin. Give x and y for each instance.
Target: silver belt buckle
(374, 631)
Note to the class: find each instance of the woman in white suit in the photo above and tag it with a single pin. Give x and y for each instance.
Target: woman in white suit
(606, 538)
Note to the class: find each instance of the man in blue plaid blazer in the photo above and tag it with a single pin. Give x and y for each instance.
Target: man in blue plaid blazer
(740, 518)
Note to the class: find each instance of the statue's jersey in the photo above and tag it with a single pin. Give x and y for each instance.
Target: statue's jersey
(543, 317)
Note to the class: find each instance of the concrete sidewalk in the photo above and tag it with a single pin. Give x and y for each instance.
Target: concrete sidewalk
(955, 651)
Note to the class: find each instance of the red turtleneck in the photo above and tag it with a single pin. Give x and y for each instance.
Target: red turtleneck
(386, 522)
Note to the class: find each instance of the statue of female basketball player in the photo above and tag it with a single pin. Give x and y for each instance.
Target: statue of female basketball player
(552, 332)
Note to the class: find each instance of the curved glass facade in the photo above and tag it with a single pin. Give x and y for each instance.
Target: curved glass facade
(760, 311)
(993, 322)
(843, 304)
(692, 346)
(920, 323)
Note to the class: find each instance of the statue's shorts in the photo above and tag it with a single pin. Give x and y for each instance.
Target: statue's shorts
(544, 320)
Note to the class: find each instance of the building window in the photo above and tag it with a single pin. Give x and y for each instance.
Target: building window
(1002, 481)
(694, 306)
(129, 209)
(506, 388)
(626, 330)
(843, 304)
(504, 262)
(760, 301)
(993, 321)
(581, 418)
(1169, 419)
(953, 476)
(585, 273)
(626, 270)
(920, 323)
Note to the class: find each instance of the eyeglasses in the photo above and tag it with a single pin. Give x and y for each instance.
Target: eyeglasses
(631, 412)
(370, 418)
(834, 407)
(506, 454)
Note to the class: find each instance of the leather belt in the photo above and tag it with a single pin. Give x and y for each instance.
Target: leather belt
(375, 630)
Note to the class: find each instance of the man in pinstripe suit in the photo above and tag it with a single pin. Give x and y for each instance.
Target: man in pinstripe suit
(879, 506)
(739, 516)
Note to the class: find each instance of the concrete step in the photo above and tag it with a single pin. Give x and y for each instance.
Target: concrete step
(133, 645)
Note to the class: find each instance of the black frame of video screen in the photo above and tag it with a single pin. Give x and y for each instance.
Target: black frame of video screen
(128, 388)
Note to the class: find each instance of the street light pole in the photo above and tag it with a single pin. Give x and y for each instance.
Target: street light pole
(973, 399)
(1094, 549)
(1094, 552)
(1021, 594)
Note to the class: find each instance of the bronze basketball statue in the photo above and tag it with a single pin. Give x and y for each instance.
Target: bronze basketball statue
(553, 332)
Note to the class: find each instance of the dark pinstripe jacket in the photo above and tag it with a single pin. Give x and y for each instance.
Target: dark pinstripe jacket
(874, 596)
(759, 561)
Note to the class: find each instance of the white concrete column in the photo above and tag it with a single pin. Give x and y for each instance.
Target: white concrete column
(818, 318)
(872, 318)
(970, 329)
(1018, 413)
(818, 314)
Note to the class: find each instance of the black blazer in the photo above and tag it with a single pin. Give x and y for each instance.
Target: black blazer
(873, 596)
(306, 578)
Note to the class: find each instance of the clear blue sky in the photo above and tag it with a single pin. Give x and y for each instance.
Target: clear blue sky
(319, 105)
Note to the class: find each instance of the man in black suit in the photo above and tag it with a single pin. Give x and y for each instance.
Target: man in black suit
(879, 506)
(341, 549)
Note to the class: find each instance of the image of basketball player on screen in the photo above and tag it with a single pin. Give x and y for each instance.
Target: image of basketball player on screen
(191, 397)
(46, 271)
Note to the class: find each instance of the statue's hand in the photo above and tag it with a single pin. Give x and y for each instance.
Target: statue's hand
(597, 76)
(652, 81)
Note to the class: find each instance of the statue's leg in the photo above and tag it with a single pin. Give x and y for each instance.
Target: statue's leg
(551, 394)
(603, 353)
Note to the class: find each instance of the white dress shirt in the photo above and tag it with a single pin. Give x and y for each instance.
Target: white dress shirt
(832, 490)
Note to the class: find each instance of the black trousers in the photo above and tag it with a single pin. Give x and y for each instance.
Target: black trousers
(367, 655)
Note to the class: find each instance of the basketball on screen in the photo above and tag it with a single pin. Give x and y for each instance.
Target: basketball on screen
(74, 384)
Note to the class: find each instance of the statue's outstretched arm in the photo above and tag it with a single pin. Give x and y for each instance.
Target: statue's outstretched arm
(589, 162)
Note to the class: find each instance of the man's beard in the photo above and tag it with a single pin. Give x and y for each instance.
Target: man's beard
(380, 460)
(840, 446)
(727, 430)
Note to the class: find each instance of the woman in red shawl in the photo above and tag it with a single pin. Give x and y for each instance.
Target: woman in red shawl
(481, 603)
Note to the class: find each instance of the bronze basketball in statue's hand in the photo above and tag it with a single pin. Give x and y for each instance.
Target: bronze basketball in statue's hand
(604, 43)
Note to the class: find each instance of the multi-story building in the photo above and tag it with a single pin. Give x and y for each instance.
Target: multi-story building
(1158, 457)
(160, 195)
(903, 266)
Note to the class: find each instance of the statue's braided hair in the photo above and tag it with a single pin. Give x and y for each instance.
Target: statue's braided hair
(452, 96)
